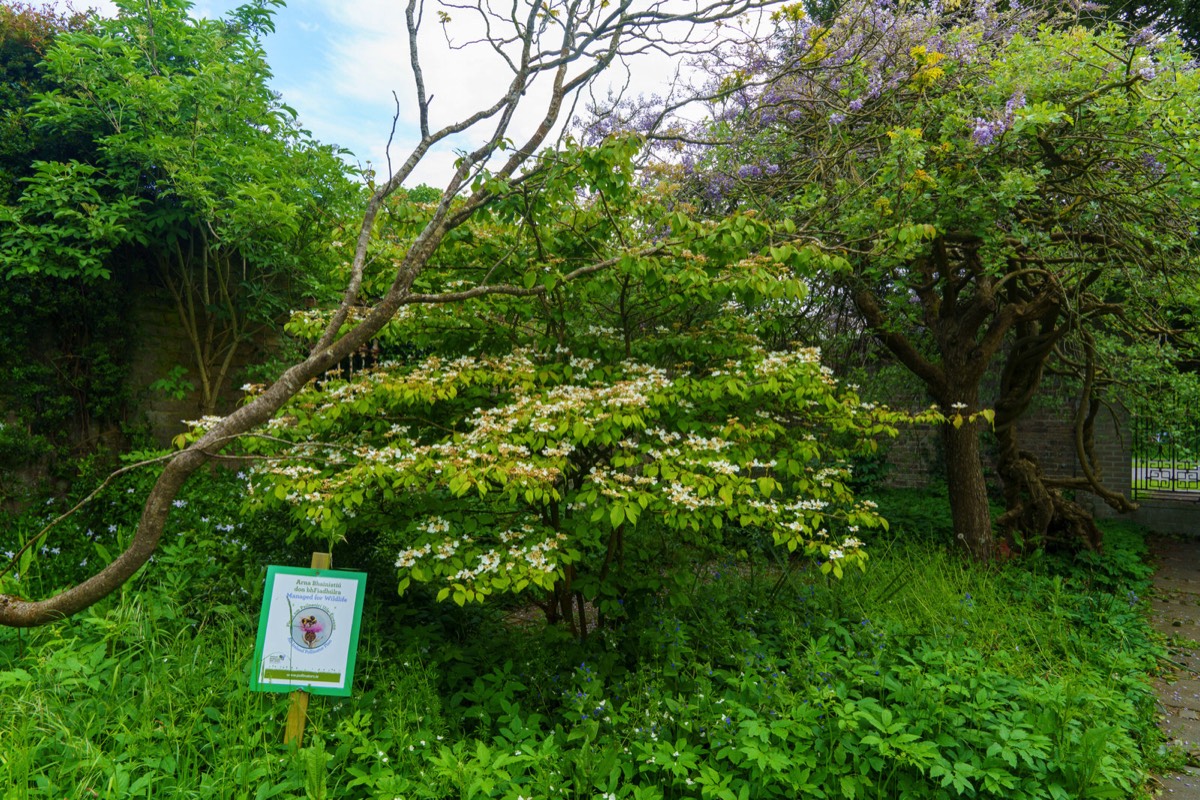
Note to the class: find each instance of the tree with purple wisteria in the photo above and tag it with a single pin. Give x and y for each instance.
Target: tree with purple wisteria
(1009, 191)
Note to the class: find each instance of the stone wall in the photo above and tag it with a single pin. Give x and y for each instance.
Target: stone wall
(912, 458)
(915, 457)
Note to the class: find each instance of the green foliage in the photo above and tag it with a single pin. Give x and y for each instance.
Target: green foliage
(64, 229)
(71, 551)
(607, 411)
(18, 446)
(929, 677)
(553, 462)
(26, 33)
(186, 171)
(174, 384)
(187, 135)
(64, 352)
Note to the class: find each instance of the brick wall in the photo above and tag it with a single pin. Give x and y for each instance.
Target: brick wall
(161, 344)
(1047, 431)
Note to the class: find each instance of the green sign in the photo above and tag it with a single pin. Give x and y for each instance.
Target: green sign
(308, 631)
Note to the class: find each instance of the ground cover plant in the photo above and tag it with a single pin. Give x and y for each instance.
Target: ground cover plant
(742, 677)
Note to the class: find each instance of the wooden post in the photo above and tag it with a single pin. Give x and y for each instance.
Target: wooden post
(298, 710)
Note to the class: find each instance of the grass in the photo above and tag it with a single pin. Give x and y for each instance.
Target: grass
(925, 677)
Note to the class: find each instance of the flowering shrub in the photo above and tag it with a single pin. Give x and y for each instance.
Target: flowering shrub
(532, 470)
(613, 400)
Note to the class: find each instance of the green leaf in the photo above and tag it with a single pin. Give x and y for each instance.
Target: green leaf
(616, 515)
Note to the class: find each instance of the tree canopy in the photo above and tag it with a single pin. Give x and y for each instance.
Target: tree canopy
(564, 49)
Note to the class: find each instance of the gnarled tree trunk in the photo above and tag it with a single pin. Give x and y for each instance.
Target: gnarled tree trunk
(1038, 513)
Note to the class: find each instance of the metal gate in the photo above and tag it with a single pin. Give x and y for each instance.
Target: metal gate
(1166, 456)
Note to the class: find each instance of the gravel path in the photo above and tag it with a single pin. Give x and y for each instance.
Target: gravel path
(1176, 613)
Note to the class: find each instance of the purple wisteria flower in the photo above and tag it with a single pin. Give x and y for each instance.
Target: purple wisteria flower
(1014, 102)
(1152, 165)
(987, 131)
(1143, 36)
(614, 116)
(717, 187)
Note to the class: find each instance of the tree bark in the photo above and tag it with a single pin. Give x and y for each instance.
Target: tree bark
(968, 490)
(1038, 514)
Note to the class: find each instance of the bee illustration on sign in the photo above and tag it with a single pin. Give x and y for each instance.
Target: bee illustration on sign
(311, 628)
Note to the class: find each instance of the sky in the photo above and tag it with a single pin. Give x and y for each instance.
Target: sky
(337, 63)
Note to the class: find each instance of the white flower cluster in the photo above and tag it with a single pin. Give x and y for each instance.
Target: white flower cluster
(617, 484)
(447, 548)
(807, 505)
(435, 525)
(514, 534)
(487, 563)
(828, 475)
(666, 437)
(723, 467)
(204, 423)
(681, 495)
(779, 362)
(294, 471)
(546, 414)
(560, 450)
(534, 557)
(715, 444)
(406, 559)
